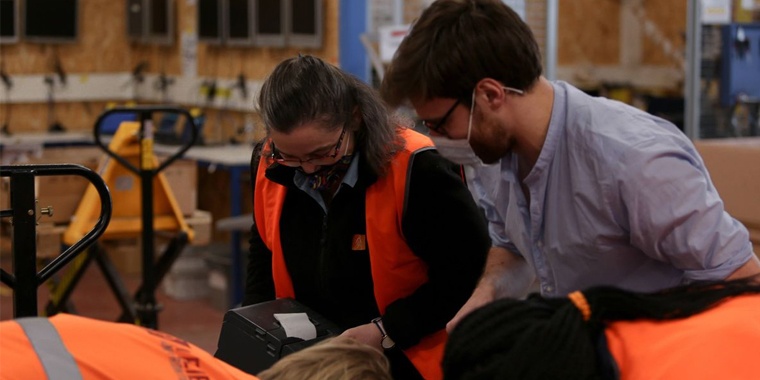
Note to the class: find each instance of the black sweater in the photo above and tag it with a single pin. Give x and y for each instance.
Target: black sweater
(442, 225)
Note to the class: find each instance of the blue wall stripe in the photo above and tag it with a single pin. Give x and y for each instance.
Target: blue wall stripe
(352, 23)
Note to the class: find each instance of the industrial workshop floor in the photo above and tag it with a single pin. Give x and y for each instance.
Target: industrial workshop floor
(196, 321)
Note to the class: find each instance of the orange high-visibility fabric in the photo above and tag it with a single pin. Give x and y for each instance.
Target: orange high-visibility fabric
(108, 350)
(720, 343)
(17, 357)
(396, 271)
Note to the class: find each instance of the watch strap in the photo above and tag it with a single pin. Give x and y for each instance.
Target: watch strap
(385, 341)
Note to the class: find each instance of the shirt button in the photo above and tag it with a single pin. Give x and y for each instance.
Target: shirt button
(540, 244)
(548, 288)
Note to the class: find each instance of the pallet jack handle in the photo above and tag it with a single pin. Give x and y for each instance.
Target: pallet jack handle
(26, 279)
(146, 133)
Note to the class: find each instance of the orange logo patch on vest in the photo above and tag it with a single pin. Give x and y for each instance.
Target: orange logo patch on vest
(359, 243)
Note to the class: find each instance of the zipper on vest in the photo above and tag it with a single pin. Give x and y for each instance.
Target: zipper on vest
(322, 253)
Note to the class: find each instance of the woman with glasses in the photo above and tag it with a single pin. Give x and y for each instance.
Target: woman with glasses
(359, 217)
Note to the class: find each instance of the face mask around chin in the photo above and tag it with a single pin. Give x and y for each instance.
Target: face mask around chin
(457, 151)
(327, 176)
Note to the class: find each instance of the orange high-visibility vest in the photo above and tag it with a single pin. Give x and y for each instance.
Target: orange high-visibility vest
(396, 271)
(70, 347)
(720, 343)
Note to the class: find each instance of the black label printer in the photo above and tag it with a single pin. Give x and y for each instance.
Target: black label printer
(252, 339)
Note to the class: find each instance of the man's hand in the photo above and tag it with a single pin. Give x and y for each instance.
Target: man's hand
(482, 295)
(749, 269)
(368, 334)
(506, 275)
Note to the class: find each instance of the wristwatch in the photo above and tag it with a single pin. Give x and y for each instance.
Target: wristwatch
(386, 342)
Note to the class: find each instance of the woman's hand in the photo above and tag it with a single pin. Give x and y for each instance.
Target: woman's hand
(368, 334)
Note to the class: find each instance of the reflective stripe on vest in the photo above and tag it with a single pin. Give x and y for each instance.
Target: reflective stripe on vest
(47, 344)
(396, 271)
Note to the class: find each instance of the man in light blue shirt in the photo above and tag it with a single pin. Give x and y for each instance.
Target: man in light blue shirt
(589, 192)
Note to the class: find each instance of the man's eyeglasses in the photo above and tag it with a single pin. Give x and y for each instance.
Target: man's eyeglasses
(437, 127)
(327, 159)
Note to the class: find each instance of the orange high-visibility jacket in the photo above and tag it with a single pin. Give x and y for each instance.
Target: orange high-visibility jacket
(396, 271)
(72, 347)
(720, 343)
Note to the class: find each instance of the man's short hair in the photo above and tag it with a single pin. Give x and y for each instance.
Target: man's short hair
(456, 43)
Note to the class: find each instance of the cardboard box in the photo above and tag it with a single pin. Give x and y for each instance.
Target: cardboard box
(734, 166)
(63, 192)
(201, 222)
(182, 176)
(126, 253)
(49, 240)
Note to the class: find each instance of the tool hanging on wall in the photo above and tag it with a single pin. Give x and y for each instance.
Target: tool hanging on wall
(136, 78)
(242, 131)
(134, 176)
(138, 73)
(54, 125)
(162, 84)
(209, 91)
(223, 115)
(241, 85)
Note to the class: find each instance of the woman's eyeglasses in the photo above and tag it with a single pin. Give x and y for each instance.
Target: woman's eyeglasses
(327, 159)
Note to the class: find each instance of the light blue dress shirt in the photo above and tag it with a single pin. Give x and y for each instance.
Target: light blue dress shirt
(617, 197)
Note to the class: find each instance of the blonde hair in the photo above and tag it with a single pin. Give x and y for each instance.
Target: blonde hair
(339, 358)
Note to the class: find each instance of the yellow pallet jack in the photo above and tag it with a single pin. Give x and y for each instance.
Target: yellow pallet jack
(133, 175)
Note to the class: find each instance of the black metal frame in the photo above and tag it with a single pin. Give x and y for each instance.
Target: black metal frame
(25, 279)
(146, 308)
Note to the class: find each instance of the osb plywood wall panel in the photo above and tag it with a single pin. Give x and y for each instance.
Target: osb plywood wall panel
(166, 59)
(74, 116)
(588, 29)
(104, 48)
(229, 126)
(413, 9)
(535, 17)
(588, 32)
(224, 62)
(669, 17)
(102, 45)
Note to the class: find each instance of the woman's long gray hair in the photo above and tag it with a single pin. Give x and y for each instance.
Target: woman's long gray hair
(306, 89)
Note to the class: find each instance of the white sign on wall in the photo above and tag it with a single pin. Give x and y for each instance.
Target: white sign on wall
(716, 11)
(390, 36)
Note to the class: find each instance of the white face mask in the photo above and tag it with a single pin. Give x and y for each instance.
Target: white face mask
(459, 151)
